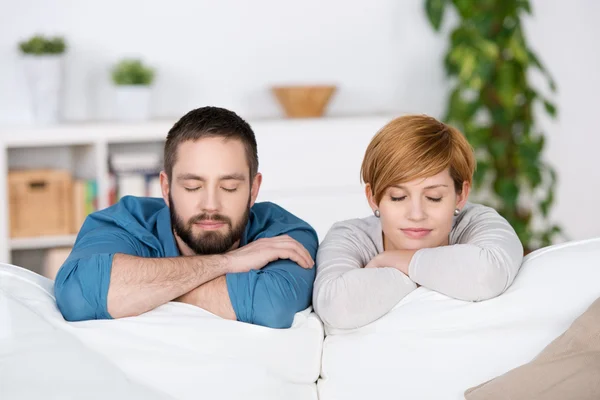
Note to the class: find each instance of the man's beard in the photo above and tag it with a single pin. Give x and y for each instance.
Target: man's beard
(209, 242)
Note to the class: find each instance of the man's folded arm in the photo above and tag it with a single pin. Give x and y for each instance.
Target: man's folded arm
(269, 297)
(81, 285)
(109, 274)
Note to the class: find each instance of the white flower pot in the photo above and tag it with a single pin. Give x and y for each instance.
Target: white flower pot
(132, 102)
(44, 75)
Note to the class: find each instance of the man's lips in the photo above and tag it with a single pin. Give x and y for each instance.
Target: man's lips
(416, 233)
(208, 224)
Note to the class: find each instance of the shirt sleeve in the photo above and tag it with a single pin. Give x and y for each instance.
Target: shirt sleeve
(81, 285)
(346, 294)
(482, 263)
(272, 295)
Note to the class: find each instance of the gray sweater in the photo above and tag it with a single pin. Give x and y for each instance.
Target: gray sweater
(481, 261)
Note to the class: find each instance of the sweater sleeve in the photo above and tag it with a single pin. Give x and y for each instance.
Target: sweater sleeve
(481, 262)
(346, 295)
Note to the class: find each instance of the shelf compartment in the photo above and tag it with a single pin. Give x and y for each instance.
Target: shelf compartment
(42, 242)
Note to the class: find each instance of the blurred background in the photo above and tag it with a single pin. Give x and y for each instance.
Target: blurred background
(88, 91)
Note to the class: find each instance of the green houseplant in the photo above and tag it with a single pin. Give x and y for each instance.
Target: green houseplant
(133, 83)
(493, 102)
(42, 61)
(43, 45)
(132, 72)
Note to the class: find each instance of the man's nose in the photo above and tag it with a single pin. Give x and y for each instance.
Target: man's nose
(211, 202)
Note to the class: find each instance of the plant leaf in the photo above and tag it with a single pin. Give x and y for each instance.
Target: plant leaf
(468, 63)
(466, 8)
(506, 85)
(481, 172)
(517, 48)
(435, 12)
(524, 4)
(550, 108)
(537, 63)
(546, 203)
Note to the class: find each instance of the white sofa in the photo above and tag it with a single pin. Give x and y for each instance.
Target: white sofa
(428, 347)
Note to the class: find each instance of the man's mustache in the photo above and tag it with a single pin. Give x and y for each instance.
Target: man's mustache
(210, 217)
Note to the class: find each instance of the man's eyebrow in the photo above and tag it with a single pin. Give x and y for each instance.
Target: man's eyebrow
(428, 187)
(232, 177)
(189, 177)
(194, 177)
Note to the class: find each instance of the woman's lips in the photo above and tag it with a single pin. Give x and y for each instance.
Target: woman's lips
(416, 233)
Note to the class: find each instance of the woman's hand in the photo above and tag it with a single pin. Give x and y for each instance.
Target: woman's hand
(399, 259)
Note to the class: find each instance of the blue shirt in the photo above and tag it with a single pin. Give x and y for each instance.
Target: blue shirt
(141, 227)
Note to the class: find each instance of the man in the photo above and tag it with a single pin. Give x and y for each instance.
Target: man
(241, 260)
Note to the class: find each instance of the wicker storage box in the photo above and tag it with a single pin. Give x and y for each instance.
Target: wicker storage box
(40, 203)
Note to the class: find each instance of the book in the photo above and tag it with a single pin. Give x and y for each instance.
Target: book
(85, 201)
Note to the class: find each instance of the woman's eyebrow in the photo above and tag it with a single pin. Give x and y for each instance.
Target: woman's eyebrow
(427, 187)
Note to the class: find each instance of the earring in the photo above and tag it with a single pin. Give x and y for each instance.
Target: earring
(377, 213)
(456, 212)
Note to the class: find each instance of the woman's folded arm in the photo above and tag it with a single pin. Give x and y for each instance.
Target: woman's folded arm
(347, 295)
(481, 262)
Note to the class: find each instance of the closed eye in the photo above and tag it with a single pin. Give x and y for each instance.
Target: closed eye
(398, 198)
(229, 190)
(435, 199)
(191, 189)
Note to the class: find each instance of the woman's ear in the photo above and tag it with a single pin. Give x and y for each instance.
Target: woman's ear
(462, 198)
(370, 197)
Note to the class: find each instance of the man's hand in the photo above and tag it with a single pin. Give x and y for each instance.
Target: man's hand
(259, 253)
(399, 259)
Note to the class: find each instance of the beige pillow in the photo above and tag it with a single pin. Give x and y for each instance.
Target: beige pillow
(568, 368)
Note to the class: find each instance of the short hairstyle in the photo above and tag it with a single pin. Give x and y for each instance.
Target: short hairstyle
(414, 147)
(210, 122)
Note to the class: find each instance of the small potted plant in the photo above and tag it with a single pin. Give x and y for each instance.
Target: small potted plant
(42, 59)
(133, 85)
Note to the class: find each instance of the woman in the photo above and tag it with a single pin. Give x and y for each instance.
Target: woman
(418, 174)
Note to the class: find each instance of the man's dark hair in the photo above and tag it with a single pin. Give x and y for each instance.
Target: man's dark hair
(210, 122)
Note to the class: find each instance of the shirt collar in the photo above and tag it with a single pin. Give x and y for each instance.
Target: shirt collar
(165, 233)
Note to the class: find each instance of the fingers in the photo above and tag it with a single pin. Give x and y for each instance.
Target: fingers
(294, 251)
(308, 262)
(297, 257)
(284, 247)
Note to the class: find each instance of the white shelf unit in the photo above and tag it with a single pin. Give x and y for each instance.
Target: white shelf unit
(308, 164)
(42, 242)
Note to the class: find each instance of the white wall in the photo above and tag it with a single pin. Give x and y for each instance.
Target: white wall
(382, 54)
(565, 35)
(228, 52)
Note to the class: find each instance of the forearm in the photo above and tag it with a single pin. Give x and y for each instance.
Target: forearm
(139, 284)
(213, 297)
(463, 271)
(359, 296)
(482, 261)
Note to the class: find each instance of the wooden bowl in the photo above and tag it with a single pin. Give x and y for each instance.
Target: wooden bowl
(304, 101)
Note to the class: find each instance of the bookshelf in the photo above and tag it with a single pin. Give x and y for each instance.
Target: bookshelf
(310, 166)
(42, 242)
